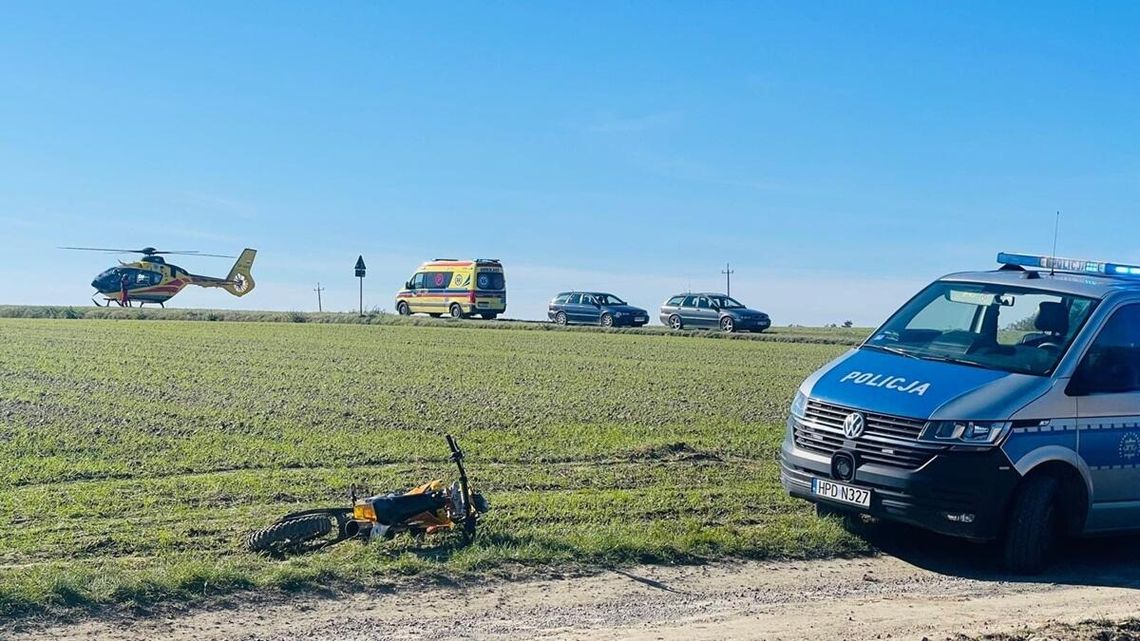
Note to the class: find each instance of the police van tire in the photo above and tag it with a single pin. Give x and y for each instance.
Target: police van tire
(402, 309)
(560, 318)
(1033, 526)
(675, 322)
(455, 310)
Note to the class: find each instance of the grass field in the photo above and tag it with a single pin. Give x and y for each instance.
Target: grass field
(134, 455)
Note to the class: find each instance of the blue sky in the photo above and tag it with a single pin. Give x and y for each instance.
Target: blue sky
(840, 155)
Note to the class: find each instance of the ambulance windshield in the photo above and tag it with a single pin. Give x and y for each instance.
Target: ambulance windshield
(998, 327)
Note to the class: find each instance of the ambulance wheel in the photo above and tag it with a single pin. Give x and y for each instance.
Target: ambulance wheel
(675, 322)
(455, 311)
(560, 318)
(1033, 527)
(402, 309)
(727, 325)
(607, 320)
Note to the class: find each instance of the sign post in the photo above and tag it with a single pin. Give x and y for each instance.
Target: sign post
(360, 274)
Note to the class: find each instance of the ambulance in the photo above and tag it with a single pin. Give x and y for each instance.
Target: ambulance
(994, 405)
(458, 288)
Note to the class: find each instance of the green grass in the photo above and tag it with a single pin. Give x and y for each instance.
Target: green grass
(134, 455)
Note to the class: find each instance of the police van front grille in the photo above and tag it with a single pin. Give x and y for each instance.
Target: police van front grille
(886, 440)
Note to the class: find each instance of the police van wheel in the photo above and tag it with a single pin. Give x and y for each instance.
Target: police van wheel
(456, 311)
(675, 322)
(402, 309)
(1033, 526)
(560, 318)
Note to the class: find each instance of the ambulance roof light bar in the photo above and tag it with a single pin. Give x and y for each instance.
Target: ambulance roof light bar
(1072, 265)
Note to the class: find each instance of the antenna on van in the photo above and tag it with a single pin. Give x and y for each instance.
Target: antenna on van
(1056, 232)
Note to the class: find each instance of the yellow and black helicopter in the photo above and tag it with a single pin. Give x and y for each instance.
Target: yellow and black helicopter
(153, 280)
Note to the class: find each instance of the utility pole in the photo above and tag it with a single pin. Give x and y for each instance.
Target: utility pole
(728, 272)
(360, 274)
(318, 290)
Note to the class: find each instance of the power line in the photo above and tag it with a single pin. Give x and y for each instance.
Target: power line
(728, 271)
(318, 290)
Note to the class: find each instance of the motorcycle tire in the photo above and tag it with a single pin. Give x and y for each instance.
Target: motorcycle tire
(289, 534)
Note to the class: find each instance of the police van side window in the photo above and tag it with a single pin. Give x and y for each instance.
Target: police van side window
(1112, 363)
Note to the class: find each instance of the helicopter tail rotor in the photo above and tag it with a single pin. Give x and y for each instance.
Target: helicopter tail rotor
(240, 282)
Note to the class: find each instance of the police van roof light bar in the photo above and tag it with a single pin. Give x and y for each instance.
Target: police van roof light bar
(1071, 265)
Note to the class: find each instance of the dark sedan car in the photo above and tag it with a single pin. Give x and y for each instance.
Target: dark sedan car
(708, 310)
(595, 308)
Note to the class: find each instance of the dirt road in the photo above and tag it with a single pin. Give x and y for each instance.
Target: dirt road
(927, 587)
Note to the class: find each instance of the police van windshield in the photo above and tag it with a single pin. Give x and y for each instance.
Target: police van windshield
(998, 327)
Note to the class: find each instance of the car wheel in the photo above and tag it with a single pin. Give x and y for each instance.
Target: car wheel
(727, 324)
(607, 320)
(675, 322)
(1033, 526)
(455, 310)
(560, 318)
(402, 309)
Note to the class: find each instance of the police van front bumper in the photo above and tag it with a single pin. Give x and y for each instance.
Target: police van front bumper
(959, 493)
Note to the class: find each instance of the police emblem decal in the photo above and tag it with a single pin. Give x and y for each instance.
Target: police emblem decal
(1129, 447)
(853, 425)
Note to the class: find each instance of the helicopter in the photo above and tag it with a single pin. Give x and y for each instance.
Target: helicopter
(153, 280)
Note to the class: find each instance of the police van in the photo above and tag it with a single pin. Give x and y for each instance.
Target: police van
(993, 405)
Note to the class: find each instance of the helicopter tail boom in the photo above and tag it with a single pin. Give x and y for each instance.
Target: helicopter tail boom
(239, 282)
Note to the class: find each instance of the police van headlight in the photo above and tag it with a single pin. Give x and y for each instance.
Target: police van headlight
(980, 433)
(799, 405)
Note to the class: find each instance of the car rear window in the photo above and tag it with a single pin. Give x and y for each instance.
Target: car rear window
(490, 280)
(676, 300)
(561, 299)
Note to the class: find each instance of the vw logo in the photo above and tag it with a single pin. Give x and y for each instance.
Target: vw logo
(853, 425)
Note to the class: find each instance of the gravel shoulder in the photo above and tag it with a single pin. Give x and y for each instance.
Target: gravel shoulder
(926, 587)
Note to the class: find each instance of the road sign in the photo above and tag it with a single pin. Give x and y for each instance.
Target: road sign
(360, 267)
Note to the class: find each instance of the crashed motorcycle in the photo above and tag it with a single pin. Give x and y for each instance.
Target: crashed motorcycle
(427, 509)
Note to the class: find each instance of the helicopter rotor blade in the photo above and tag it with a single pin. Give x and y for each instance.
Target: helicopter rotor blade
(104, 249)
(148, 251)
(197, 253)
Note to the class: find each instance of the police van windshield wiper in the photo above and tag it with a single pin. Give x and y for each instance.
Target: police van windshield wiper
(951, 359)
(890, 350)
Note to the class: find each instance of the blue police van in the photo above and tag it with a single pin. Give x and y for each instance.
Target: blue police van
(993, 405)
